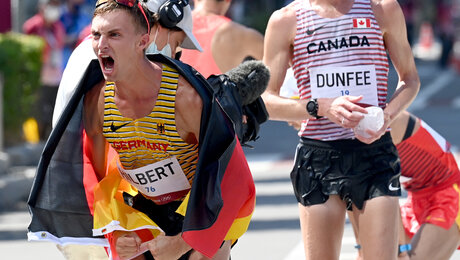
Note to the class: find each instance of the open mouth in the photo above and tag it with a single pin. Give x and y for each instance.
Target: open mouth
(107, 63)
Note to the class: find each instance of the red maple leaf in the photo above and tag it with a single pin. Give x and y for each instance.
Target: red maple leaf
(361, 22)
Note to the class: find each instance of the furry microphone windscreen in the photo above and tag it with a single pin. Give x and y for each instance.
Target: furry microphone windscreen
(251, 78)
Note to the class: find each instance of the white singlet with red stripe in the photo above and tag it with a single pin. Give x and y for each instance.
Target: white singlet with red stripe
(338, 56)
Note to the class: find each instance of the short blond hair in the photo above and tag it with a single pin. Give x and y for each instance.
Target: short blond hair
(136, 14)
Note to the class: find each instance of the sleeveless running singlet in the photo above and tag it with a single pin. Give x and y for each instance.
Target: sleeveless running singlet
(426, 161)
(338, 56)
(150, 147)
(204, 28)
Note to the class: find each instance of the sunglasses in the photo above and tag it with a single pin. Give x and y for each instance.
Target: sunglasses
(130, 4)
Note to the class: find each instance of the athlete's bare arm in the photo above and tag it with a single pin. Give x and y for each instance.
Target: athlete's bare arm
(188, 112)
(399, 126)
(233, 42)
(279, 38)
(392, 24)
(93, 112)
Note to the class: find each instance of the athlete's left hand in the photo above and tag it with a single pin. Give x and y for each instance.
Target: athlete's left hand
(373, 135)
(168, 247)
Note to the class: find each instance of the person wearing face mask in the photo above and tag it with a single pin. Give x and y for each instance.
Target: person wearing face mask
(75, 15)
(46, 24)
(153, 48)
(165, 26)
(157, 148)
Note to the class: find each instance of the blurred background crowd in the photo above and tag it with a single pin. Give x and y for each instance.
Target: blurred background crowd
(38, 36)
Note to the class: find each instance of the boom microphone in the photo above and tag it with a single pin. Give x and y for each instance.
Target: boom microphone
(251, 78)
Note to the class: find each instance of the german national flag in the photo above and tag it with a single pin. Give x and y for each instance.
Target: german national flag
(218, 207)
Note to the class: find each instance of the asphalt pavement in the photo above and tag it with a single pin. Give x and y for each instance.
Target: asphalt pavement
(274, 231)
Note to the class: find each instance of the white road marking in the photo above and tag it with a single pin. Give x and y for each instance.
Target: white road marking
(456, 103)
(426, 92)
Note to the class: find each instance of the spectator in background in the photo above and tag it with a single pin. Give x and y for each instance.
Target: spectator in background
(225, 43)
(75, 18)
(46, 24)
(408, 8)
(445, 29)
(83, 34)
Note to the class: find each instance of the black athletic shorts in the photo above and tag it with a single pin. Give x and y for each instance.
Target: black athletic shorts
(349, 168)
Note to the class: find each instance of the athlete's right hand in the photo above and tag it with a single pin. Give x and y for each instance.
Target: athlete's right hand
(168, 247)
(340, 110)
(127, 244)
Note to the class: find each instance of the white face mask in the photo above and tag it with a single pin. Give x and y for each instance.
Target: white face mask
(51, 14)
(153, 49)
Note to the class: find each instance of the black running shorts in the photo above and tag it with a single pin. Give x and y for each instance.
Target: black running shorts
(349, 168)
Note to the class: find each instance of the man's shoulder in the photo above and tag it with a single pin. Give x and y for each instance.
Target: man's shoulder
(382, 7)
(187, 95)
(289, 10)
(95, 94)
(233, 26)
(189, 75)
(388, 14)
(233, 30)
(284, 16)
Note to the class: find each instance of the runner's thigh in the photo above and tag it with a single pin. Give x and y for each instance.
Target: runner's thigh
(322, 228)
